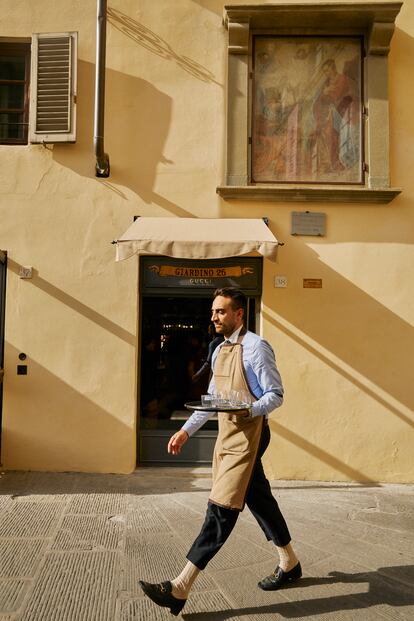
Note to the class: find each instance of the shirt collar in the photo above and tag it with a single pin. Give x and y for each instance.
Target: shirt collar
(233, 337)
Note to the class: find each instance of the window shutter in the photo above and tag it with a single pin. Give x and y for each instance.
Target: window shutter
(53, 87)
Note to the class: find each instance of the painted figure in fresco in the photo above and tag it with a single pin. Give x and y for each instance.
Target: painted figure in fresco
(278, 96)
(336, 117)
(270, 146)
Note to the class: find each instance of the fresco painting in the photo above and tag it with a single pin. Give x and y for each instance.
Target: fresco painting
(307, 110)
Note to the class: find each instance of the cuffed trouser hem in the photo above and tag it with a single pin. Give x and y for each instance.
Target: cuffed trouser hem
(218, 524)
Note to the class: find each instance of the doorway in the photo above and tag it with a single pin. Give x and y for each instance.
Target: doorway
(175, 332)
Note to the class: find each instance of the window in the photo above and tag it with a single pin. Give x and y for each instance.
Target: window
(14, 92)
(45, 112)
(307, 104)
(53, 90)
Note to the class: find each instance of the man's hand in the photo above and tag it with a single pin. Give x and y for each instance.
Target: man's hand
(177, 441)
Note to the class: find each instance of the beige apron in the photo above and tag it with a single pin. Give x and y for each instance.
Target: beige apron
(238, 436)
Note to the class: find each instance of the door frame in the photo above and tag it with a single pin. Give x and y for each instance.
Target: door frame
(254, 291)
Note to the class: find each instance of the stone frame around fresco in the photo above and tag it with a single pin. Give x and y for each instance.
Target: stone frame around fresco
(374, 22)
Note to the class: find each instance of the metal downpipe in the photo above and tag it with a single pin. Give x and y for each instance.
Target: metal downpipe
(102, 167)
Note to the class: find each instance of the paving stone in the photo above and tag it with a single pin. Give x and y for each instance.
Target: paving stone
(237, 552)
(396, 522)
(351, 584)
(12, 593)
(13, 482)
(20, 557)
(145, 519)
(155, 559)
(88, 532)
(55, 484)
(92, 504)
(30, 519)
(173, 511)
(239, 586)
(187, 530)
(112, 530)
(5, 502)
(76, 586)
(89, 483)
(212, 603)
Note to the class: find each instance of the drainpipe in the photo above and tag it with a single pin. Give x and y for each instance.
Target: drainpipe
(102, 158)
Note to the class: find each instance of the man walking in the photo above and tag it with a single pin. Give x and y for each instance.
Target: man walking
(244, 362)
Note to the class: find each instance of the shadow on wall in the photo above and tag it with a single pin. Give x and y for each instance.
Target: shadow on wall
(216, 6)
(315, 451)
(76, 305)
(365, 336)
(137, 121)
(54, 427)
(154, 43)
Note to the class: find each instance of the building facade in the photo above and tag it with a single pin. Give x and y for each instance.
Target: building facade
(298, 113)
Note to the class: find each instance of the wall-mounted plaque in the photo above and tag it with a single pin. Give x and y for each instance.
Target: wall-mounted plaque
(308, 223)
(312, 283)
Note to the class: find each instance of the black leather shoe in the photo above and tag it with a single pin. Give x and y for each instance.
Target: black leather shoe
(280, 578)
(161, 594)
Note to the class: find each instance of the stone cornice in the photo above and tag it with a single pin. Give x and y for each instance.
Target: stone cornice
(375, 19)
(299, 194)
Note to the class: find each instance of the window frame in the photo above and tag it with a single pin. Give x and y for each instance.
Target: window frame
(18, 48)
(374, 22)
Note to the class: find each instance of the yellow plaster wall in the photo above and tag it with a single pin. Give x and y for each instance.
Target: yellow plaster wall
(344, 351)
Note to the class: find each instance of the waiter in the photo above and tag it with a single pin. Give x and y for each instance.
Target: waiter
(245, 363)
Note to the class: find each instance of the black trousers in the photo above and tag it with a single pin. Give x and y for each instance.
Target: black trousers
(219, 521)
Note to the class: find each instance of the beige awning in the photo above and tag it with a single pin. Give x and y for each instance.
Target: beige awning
(197, 238)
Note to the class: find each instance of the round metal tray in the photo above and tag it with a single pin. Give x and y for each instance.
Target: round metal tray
(196, 405)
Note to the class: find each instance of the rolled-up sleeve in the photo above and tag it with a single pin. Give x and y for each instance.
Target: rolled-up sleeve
(263, 365)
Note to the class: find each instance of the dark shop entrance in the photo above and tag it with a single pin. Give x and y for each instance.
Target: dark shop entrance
(175, 332)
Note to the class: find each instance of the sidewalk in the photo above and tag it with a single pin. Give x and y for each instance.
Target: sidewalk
(73, 547)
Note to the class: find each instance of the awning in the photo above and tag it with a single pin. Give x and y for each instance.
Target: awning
(197, 238)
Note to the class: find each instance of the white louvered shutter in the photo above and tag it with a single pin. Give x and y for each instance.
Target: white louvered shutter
(53, 87)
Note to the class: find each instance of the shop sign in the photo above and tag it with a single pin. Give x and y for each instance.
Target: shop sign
(167, 273)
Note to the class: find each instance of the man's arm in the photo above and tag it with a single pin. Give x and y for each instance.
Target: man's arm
(196, 420)
(263, 364)
(177, 441)
(193, 424)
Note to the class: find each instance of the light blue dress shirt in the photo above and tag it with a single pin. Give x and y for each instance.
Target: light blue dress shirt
(262, 377)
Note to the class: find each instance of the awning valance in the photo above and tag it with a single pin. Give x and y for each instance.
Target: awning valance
(197, 238)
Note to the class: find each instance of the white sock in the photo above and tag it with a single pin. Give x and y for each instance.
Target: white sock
(288, 559)
(182, 584)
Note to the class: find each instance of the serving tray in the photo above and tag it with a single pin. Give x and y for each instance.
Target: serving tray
(196, 405)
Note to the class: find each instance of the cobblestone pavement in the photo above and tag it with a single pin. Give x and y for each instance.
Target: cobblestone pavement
(73, 547)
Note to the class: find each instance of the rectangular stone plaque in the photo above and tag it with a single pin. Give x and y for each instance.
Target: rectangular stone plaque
(308, 223)
(312, 283)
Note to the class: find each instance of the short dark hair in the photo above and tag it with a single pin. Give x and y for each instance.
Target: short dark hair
(238, 298)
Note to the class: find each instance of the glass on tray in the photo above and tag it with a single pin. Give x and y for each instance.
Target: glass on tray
(207, 400)
(229, 399)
